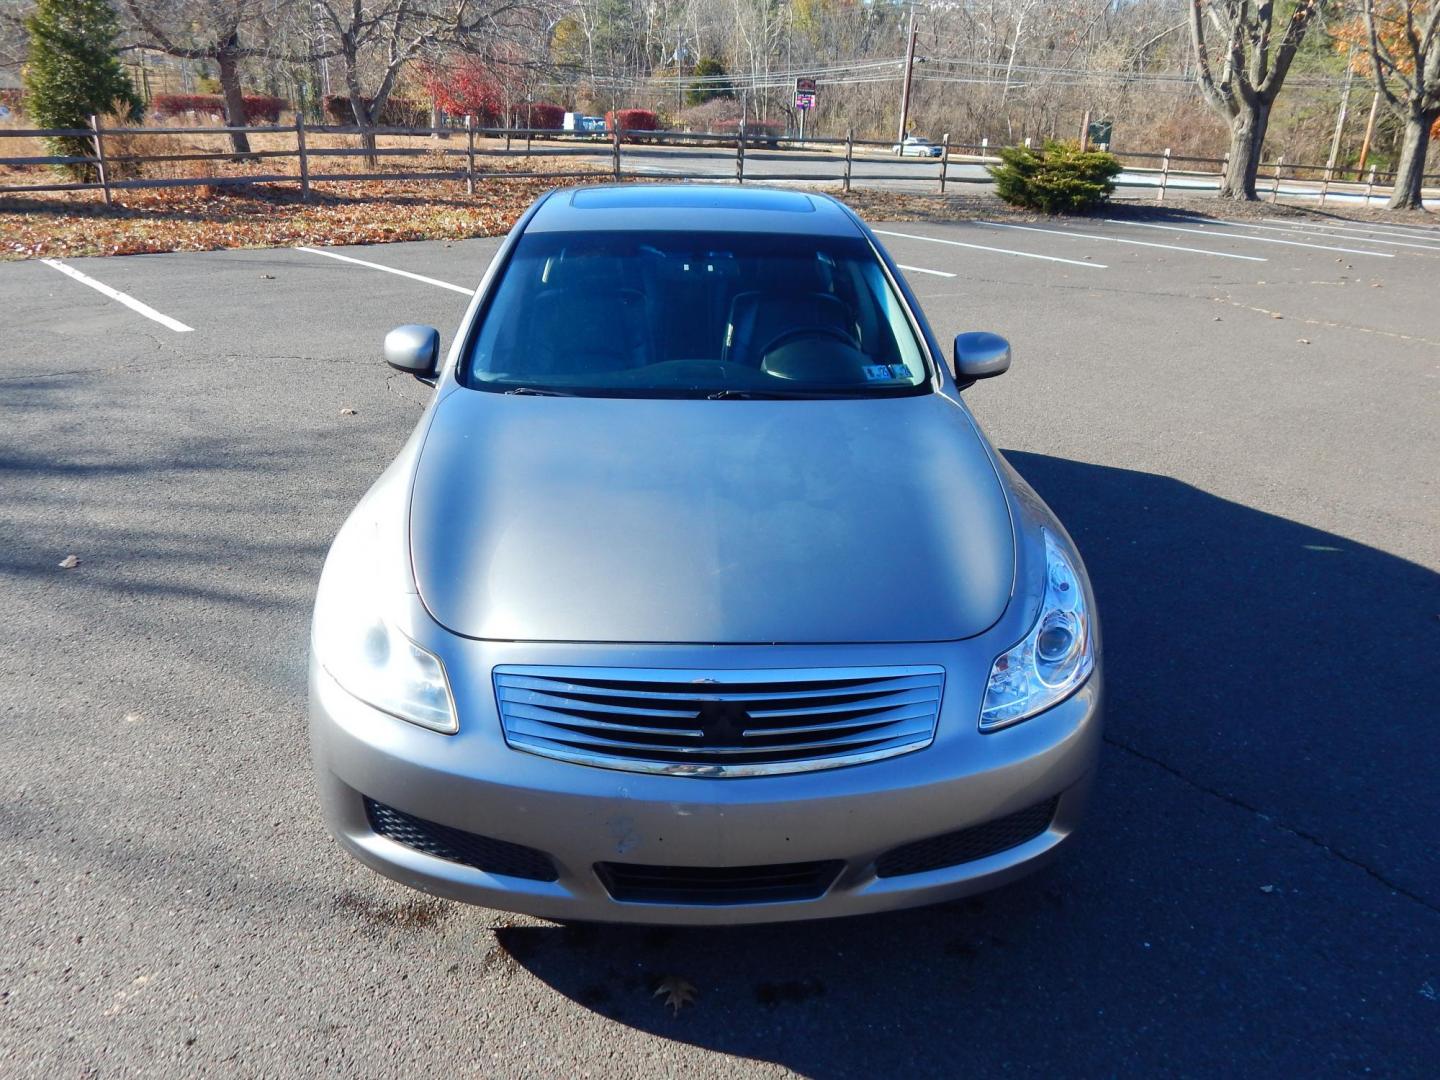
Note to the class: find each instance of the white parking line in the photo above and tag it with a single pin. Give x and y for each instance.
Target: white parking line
(1230, 234)
(1120, 240)
(922, 270)
(1296, 231)
(998, 251)
(115, 294)
(390, 270)
(1415, 232)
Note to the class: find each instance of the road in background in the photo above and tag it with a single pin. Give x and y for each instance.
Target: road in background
(1243, 450)
(873, 167)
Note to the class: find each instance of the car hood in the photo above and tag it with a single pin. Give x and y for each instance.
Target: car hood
(633, 520)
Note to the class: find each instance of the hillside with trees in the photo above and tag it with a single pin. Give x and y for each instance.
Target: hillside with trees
(1292, 78)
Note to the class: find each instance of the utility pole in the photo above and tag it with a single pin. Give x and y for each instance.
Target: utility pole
(1339, 124)
(905, 91)
(1369, 135)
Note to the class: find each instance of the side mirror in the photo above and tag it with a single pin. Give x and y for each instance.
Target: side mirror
(414, 349)
(980, 355)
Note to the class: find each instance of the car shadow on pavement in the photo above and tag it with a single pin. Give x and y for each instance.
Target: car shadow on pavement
(1257, 879)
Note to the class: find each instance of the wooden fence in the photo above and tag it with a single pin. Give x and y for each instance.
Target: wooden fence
(612, 152)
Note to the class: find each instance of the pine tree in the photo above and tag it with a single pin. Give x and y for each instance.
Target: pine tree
(74, 71)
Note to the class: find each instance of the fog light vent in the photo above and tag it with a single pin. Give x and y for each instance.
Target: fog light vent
(456, 845)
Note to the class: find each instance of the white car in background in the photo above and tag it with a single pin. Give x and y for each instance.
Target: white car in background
(916, 146)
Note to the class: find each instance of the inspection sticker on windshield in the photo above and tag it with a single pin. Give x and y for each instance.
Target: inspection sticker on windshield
(878, 372)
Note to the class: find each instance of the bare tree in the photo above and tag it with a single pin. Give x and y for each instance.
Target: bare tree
(376, 39)
(1404, 38)
(1241, 78)
(205, 30)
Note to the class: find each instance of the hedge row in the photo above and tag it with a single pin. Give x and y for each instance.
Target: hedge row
(540, 114)
(771, 129)
(396, 112)
(632, 120)
(259, 108)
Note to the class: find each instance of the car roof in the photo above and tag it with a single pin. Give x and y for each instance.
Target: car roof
(691, 207)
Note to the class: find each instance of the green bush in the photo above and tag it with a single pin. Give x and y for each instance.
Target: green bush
(701, 92)
(1060, 178)
(74, 72)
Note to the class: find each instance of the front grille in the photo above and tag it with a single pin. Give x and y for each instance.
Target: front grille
(966, 845)
(631, 883)
(719, 723)
(455, 845)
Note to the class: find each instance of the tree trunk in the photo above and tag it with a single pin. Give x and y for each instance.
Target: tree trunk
(1410, 173)
(364, 123)
(234, 97)
(1247, 140)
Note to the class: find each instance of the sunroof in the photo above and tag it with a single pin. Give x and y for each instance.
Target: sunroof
(655, 197)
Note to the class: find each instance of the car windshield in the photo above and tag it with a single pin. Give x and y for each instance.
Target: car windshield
(702, 314)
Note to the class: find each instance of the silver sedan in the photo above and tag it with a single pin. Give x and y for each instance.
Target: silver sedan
(698, 595)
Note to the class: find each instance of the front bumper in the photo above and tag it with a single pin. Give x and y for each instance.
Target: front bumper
(582, 817)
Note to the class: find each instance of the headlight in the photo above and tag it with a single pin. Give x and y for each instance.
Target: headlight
(364, 653)
(1052, 660)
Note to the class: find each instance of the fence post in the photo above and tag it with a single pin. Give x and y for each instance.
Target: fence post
(300, 151)
(985, 146)
(100, 158)
(740, 153)
(1164, 174)
(615, 151)
(1370, 186)
(469, 154)
(849, 156)
(944, 158)
(1275, 184)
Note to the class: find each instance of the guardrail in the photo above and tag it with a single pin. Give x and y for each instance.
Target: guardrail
(747, 149)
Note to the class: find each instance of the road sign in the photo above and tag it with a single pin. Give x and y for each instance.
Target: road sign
(803, 101)
(1100, 132)
(805, 86)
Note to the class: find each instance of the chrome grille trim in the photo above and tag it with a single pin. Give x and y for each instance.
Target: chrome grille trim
(654, 720)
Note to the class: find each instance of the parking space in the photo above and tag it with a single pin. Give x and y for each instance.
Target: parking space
(1240, 433)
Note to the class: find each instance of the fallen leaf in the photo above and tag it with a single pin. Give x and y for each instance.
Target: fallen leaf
(678, 993)
(69, 562)
(347, 412)
(1303, 340)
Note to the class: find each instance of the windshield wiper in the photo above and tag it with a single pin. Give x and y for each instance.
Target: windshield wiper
(537, 391)
(752, 395)
(778, 395)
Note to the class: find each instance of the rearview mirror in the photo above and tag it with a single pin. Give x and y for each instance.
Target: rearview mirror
(414, 349)
(980, 355)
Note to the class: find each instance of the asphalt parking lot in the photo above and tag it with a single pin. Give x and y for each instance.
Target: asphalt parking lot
(1239, 424)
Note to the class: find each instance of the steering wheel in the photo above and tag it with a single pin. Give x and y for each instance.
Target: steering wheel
(806, 331)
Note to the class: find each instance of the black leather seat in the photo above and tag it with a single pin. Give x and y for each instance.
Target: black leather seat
(586, 319)
(795, 297)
